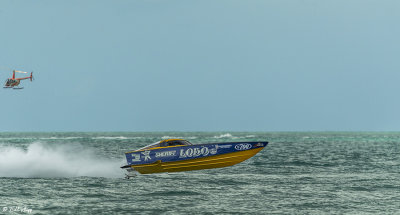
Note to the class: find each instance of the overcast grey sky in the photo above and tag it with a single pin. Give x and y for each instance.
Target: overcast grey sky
(204, 65)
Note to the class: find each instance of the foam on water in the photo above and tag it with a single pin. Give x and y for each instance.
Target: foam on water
(49, 160)
(112, 138)
(175, 137)
(227, 135)
(59, 138)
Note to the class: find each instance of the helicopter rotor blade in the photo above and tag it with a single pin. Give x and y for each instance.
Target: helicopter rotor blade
(20, 71)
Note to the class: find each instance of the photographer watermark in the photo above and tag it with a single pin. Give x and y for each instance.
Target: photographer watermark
(17, 209)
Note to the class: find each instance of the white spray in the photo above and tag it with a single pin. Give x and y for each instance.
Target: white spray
(46, 161)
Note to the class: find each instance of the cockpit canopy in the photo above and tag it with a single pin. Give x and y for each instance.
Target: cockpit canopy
(168, 142)
(10, 81)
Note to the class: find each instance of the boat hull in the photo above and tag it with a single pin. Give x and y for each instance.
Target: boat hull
(193, 157)
(216, 161)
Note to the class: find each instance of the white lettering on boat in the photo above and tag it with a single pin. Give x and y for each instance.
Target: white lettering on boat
(213, 151)
(165, 154)
(260, 144)
(146, 155)
(223, 146)
(193, 152)
(243, 146)
(135, 157)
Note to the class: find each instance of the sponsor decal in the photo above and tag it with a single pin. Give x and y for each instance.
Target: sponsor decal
(135, 157)
(146, 155)
(243, 146)
(259, 144)
(223, 146)
(193, 152)
(165, 154)
(213, 151)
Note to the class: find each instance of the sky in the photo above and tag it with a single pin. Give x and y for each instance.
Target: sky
(201, 65)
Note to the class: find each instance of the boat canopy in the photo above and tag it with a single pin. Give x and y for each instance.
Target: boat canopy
(168, 142)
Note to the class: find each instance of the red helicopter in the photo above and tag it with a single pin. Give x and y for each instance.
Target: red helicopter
(14, 82)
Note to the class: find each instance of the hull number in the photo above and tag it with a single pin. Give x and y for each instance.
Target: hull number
(243, 146)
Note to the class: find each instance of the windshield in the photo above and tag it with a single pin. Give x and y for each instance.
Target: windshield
(175, 143)
(154, 145)
(165, 143)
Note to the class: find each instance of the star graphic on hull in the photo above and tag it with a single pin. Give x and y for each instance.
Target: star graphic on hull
(146, 155)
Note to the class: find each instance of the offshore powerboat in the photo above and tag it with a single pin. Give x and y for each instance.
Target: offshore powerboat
(176, 155)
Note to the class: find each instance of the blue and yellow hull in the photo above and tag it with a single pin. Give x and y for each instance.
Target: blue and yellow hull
(195, 157)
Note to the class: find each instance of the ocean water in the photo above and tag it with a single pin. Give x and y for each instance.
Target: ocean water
(297, 173)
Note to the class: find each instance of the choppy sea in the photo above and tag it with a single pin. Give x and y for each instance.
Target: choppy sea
(297, 173)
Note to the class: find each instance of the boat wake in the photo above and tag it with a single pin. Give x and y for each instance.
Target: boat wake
(41, 160)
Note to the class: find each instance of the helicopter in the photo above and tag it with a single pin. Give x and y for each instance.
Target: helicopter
(14, 82)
